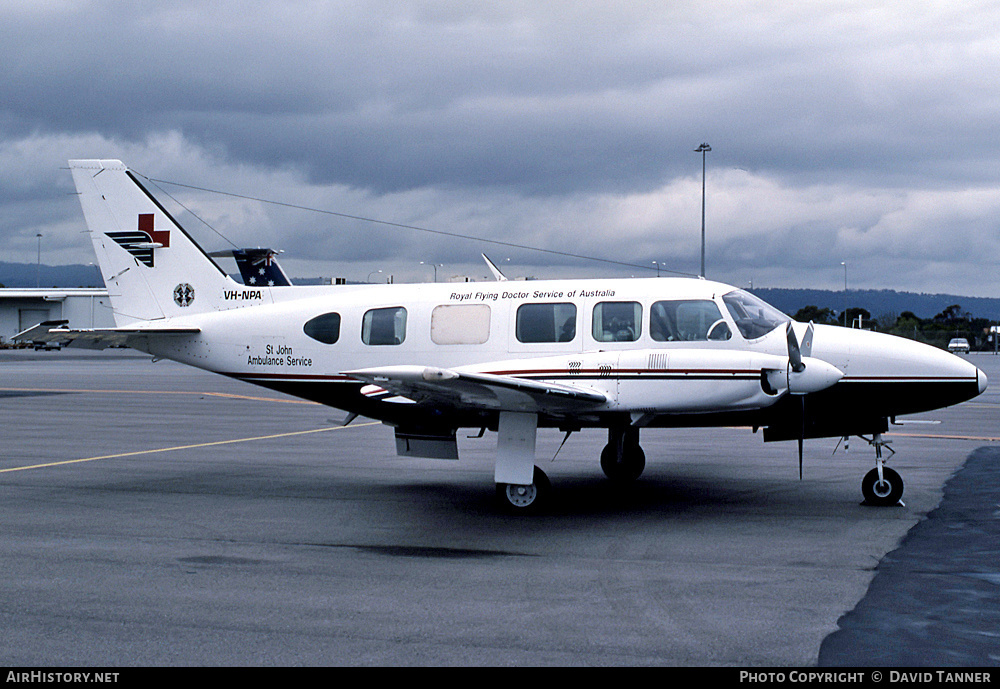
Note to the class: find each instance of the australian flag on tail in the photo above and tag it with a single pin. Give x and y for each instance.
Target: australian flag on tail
(259, 269)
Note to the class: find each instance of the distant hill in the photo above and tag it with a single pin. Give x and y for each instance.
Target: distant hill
(32, 275)
(879, 302)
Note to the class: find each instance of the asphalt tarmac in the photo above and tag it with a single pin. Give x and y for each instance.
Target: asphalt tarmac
(156, 515)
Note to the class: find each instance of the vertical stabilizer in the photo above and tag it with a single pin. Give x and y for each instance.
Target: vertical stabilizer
(152, 268)
(260, 267)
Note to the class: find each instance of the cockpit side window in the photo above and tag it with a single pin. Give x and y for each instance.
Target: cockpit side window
(688, 321)
(754, 317)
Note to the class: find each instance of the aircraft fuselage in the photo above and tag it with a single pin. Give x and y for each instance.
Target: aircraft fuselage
(664, 361)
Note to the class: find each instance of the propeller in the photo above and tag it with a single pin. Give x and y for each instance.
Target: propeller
(796, 354)
(801, 375)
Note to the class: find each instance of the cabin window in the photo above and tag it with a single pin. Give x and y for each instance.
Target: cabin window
(617, 321)
(384, 326)
(754, 317)
(325, 328)
(460, 324)
(546, 323)
(687, 321)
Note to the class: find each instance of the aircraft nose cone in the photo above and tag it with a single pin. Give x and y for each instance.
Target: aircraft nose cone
(983, 382)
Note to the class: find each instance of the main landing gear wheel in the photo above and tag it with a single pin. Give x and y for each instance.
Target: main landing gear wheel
(882, 492)
(520, 499)
(622, 459)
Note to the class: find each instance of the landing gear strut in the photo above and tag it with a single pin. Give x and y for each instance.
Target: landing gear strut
(881, 487)
(622, 458)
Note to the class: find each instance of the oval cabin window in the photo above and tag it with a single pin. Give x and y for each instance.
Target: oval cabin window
(325, 328)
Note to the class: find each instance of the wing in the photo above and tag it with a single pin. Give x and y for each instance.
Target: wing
(92, 338)
(464, 389)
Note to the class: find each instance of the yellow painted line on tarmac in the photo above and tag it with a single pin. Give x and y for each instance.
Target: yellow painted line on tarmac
(161, 392)
(255, 399)
(186, 447)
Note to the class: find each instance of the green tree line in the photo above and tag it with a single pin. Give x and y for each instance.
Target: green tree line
(952, 322)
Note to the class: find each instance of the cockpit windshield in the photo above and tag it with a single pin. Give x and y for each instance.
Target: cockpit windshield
(754, 317)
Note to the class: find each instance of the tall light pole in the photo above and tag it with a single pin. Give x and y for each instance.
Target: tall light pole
(435, 266)
(844, 263)
(38, 265)
(703, 149)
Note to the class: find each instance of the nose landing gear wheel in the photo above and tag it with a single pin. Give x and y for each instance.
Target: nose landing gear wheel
(884, 492)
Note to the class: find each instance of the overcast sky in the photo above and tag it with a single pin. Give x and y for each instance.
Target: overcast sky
(864, 133)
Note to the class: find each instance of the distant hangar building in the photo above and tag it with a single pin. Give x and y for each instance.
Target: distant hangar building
(21, 308)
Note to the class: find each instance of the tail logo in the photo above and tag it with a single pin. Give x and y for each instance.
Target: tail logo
(183, 294)
(142, 242)
(155, 236)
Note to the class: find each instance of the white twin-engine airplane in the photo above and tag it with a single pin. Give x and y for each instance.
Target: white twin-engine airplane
(511, 357)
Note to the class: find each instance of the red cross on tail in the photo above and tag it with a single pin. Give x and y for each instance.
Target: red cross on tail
(157, 236)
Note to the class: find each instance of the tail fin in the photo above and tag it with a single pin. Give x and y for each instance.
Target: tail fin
(259, 267)
(153, 269)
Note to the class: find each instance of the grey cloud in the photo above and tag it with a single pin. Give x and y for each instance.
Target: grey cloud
(855, 128)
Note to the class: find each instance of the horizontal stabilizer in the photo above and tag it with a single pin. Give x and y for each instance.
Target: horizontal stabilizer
(94, 338)
(38, 333)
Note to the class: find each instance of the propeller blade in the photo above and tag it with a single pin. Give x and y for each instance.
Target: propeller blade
(802, 432)
(794, 353)
(806, 347)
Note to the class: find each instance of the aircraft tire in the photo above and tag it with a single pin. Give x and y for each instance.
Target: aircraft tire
(530, 499)
(628, 468)
(884, 494)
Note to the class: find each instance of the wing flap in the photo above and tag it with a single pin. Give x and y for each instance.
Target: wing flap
(465, 389)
